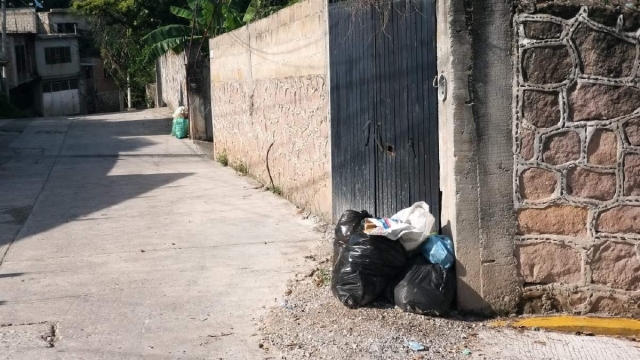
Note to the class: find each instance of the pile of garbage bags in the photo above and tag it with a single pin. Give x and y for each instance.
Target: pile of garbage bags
(397, 259)
(180, 126)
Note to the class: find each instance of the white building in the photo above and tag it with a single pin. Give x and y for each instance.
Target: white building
(46, 70)
(58, 64)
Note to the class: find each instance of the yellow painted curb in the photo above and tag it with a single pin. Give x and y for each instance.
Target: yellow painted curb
(596, 326)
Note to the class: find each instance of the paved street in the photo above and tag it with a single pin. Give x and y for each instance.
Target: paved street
(118, 241)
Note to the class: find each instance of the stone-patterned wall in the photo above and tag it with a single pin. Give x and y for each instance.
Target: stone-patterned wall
(174, 91)
(107, 101)
(577, 164)
(269, 86)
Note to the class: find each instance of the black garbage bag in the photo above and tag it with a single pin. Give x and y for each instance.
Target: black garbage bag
(365, 267)
(426, 288)
(350, 222)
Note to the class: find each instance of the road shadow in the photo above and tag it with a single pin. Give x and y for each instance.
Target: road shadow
(82, 179)
(10, 275)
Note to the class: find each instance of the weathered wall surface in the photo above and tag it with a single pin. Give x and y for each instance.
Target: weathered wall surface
(576, 132)
(102, 83)
(57, 70)
(476, 151)
(107, 101)
(174, 92)
(269, 86)
(22, 21)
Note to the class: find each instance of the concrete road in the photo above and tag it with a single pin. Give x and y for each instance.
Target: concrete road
(118, 241)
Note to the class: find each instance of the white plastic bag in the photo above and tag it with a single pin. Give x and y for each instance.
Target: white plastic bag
(181, 112)
(411, 225)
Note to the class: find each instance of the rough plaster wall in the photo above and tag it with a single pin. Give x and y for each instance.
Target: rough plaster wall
(269, 86)
(43, 23)
(576, 132)
(457, 178)
(102, 83)
(10, 69)
(174, 92)
(492, 89)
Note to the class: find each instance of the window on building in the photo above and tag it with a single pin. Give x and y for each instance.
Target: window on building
(60, 86)
(21, 58)
(57, 55)
(66, 28)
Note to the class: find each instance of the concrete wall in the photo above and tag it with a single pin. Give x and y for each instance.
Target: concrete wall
(475, 151)
(102, 83)
(269, 86)
(173, 79)
(48, 20)
(11, 56)
(57, 70)
(576, 121)
(14, 77)
(22, 21)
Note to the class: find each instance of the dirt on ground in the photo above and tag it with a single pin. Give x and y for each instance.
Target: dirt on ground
(310, 323)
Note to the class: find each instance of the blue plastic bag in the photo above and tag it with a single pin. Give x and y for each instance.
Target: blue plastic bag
(438, 249)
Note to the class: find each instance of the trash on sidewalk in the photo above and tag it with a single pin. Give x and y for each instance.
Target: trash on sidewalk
(180, 125)
(438, 249)
(180, 128)
(466, 352)
(285, 305)
(350, 222)
(365, 267)
(411, 225)
(415, 346)
(425, 289)
(412, 273)
(181, 112)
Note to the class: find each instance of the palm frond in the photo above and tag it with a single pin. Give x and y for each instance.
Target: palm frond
(165, 33)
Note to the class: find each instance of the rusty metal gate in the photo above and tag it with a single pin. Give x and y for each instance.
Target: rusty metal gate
(384, 119)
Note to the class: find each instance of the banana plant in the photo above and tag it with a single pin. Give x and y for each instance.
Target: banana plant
(207, 18)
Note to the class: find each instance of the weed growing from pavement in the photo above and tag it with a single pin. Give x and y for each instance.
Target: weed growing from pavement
(275, 189)
(222, 158)
(322, 277)
(240, 167)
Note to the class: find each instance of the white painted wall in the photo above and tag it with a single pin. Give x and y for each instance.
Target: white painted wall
(57, 70)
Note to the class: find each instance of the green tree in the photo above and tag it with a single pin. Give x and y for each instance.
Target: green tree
(117, 30)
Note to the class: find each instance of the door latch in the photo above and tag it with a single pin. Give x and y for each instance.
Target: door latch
(440, 82)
